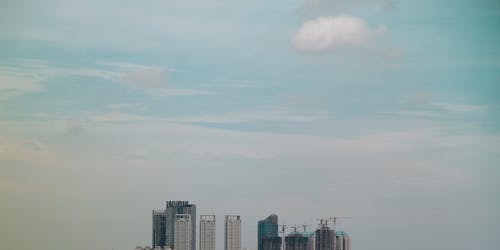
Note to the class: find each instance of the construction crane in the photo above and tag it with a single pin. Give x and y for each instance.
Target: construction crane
(335, 219)
(294, 227)
(323, 222)
(305, 227)
(283, 227)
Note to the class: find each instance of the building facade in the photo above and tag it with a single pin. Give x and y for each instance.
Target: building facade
(159, 227)
(207, 232)
(312, 240)
(174, 208)
(296, 241)
(342, 241)
(183, 232)
(268, 230)
(232, 232)
(271, 243)
(325, 237)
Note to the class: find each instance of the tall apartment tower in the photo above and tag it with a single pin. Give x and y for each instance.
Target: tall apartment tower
(296, 241)
(183, 232)
(312, 240)
(267, 235)
(325, 237)
(342, 241)
(159, 227)
(173, 209)
(232, 232)
(207, 232)
(271, 243)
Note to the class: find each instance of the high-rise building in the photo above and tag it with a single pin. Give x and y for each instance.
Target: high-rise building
(268, 228)
(312, 240)
(342, 241)
(325, 237)
(159, 228)
(183, 232)
(172, 209)
(207, 232)
(296, 241)
(271, 243)
(232, 232)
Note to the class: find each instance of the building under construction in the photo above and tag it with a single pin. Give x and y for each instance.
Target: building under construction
(296, 241)
(325, 237)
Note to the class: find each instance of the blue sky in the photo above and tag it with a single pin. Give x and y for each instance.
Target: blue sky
(386, 111)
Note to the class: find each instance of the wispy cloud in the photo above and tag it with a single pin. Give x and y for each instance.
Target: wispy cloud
(148, 78)
(12, 86)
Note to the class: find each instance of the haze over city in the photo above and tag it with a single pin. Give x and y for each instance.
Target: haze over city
(386, 111)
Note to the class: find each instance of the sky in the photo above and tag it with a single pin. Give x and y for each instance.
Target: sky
(386, 111)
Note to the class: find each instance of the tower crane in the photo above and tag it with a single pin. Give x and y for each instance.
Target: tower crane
(305, 227)
(335, 219)
(294, 227)
(283, 227)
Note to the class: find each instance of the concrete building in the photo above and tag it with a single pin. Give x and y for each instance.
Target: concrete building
(159, 227)
(268, 230)
(207, 232)
(232, 232)
(296, 241)
(183, 232)
(312, 240)
(325, 237)
(271, 243)
(342, 241)
(173, 208)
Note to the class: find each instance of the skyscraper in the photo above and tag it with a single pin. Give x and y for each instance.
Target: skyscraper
(268, 228)
(342, 241)
(232, 232)
(207, 232)
(182, 232)
(172, 209)
(325, 237)
(159, 227)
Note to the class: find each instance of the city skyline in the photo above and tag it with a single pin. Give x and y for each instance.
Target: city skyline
(324, 237)
(386, 111)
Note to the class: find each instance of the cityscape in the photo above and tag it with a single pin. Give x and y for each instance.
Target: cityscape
(174, 228)
(250, 125)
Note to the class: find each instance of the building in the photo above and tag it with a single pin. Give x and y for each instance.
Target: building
(207, 232)
(312, 240)
(268, 228)
(271, 243)
(296, 241)
(325, 237)
(159, 227)
(173, 208)
(232, 232)
(183, 232)
(150, 248)
(143, 248)
(342, 241)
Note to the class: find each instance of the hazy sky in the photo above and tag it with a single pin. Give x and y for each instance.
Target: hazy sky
(387, 111)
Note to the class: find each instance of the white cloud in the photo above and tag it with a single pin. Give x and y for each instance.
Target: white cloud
(327, 33)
